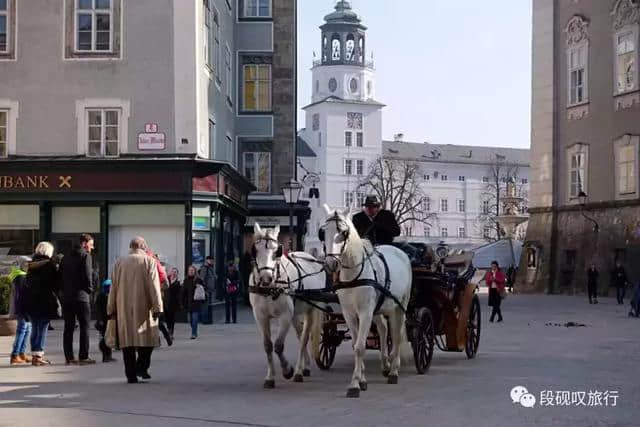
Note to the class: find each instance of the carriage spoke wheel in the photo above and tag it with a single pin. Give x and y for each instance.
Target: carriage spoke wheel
(473, 329)
(423, 341)
(328, 344)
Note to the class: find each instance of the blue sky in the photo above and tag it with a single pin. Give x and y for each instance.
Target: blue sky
(450, 71)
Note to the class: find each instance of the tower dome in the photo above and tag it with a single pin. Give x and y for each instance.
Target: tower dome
(343, 37)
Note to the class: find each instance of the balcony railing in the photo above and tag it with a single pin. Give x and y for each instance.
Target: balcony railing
(368, 64)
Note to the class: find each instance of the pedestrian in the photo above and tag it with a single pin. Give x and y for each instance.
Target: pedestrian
(193, 297)
(172, 300)
(18, 309)
(77, 278)
(135, 302)
(162, 277)
(209, 277)
(101, 320)
(511, 278)
(42, 302)
(232, 288)
(495, 280)
(620, 281)
(592, 283)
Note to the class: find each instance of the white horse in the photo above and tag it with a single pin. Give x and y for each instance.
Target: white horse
(359, 265)
(274, 276)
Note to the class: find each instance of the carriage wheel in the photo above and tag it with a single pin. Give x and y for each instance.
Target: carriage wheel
(423, 341)
(473, 329)
(328, 344)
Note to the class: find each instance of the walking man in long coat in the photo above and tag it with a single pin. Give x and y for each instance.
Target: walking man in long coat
(136, 302)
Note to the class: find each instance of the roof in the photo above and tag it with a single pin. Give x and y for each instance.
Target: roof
(338, 100)
(303, 148)
(447, 153)
(343, 14)
(506, 252)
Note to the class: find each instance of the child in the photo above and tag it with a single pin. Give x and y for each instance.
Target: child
(18, 277)
(101, 322)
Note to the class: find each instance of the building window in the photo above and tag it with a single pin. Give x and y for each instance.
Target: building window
(360, 197)
(577, 170)
(626, 61)
(229, 74)
(257, 169)
(348, 167)
(444, 205)
(444, 178)
(461, 178)
(427, 177)
(408, 231)
(257, 9)
(354, 121)
(485, 207)
(212, 138)
(316, 121)
(485, 179)
(94, 25)
(104, 133)
(524, 181)
(217, 52)
(257, 87)
(5, 26)
(348, 139)
(359, 167)
(426, 204)
(531, 258)
(461, 205)
(427, 232)
(444, 232)
(348, 199)
(486, 233)
(626, 157)
(461, 232)
(359, 139)
(4, 127)
(577, 58)
(207, 35)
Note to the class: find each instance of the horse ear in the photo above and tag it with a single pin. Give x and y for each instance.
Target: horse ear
(327, 209)
(346, 212)
(279, 251)
(256, 229)
(276, 231)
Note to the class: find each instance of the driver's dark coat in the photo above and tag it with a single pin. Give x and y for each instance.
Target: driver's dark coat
(381, 230)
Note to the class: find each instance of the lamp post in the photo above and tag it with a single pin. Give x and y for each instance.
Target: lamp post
(291, 191)
(583, 202)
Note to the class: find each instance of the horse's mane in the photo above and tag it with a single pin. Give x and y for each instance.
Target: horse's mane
(355, 245)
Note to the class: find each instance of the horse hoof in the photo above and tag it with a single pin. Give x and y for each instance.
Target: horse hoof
(353, 392)
(363, 385)
(288, 374)
(386, 372)
(306, 372)
(269, 384)
(297, 378)
(393, 379)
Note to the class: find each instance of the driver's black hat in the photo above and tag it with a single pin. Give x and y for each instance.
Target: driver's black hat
(372, 201)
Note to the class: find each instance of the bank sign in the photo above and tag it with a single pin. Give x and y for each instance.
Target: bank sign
(36, 182)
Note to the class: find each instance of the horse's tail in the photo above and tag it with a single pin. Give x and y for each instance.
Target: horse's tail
(317, 324)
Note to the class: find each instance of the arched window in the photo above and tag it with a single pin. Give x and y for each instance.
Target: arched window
(336, 47)
(531, 258)
(350, 47)
(325, 48)
(361, 50)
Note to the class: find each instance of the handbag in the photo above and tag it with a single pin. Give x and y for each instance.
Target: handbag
(111, 334)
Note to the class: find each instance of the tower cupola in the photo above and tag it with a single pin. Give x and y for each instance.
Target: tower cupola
(343, 37)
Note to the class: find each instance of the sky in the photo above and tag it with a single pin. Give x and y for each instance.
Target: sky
(449, 71)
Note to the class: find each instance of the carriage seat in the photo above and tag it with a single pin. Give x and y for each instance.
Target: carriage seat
(458, 263)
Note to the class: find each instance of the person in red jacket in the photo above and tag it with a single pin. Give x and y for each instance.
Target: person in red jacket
(162, 277)
(495, 280)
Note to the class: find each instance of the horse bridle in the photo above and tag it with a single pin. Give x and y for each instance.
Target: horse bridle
(254, 261)
(345, 236)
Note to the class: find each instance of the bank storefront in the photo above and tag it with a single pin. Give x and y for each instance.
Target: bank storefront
(186, 209)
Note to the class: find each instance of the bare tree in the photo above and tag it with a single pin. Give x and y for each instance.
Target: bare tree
(397, 185)
(499, 172)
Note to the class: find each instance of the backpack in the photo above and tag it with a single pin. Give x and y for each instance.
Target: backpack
(199, 294)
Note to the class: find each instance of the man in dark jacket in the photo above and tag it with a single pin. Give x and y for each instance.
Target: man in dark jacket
(376, 224)
(620, 281)
(77, 278)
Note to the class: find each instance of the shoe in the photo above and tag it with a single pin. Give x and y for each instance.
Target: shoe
(109, 359)
(51, 328)
(491, 320)
(595, 301)
(590, 302)
(132, 381)
(72, 362)
(87, 361)
(193, 337)
(39, 361)
(144, 375)
(500, 319)
(16, 360)
(227, 322)
(24, 357)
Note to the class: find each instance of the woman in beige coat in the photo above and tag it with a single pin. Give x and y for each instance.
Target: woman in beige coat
(136, 302)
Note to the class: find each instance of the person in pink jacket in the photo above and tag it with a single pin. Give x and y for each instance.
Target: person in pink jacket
(495, 280)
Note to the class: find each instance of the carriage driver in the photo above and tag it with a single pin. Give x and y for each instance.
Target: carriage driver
(376, 224)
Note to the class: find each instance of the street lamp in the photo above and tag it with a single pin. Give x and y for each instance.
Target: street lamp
(582, 196)
(291, 191)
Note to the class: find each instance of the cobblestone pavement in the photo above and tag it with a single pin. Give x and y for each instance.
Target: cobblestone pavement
(217, 379)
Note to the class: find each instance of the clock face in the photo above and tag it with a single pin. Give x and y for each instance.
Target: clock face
(353, 85)
(333, 84)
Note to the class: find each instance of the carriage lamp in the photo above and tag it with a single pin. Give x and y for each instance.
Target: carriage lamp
(291, 191)
(582, 196)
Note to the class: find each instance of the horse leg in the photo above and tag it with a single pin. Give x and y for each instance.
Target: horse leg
(360, 347)
(264, 326)
(284, 322)
(383, 330)
(306, 334)
(302, 331)
(352, 323)
(395, 324)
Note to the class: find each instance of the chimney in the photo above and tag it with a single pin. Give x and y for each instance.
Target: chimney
(398, 137)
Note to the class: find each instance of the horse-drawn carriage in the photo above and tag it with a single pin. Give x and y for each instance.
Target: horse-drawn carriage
(443, 311)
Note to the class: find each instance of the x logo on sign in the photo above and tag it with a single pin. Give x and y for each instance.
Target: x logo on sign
(65, 181)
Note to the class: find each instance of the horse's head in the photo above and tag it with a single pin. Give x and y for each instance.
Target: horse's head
(265, 252)
(337, 231)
